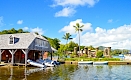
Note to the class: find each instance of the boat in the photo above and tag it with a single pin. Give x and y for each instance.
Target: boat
(36, 63)
(48, 62)
(85, 62)
(121, 55)
(100, 63)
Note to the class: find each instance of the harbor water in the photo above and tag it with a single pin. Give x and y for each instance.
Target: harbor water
(67, 72)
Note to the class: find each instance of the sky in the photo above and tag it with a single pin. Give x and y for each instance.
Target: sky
(106, 22)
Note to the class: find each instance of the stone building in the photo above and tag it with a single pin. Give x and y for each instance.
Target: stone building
(93, 53)
(107, 52)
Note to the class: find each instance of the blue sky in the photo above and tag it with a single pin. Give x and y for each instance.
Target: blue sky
(106, 22)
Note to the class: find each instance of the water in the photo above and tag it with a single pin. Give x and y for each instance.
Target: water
(121, 58)
(68, 72)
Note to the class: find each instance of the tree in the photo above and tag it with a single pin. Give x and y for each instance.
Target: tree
(4, 32)
(67, 36)
(12, 31)
(55, 43)
(60, 51)
(99, 54)
(78, 28)
(20, 31)
(36, 33)
(91, 47)
(71, 45)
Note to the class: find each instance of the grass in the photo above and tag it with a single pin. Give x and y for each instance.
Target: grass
(92, 59)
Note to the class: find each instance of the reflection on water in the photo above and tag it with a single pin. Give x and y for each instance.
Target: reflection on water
(67, 72)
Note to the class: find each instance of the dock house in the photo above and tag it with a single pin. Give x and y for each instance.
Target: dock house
(17, 48)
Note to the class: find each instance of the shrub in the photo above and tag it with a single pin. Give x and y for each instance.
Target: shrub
(92, 59)
(99, 54)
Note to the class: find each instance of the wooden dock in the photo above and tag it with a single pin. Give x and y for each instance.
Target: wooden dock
(16, 64)
(119, 62)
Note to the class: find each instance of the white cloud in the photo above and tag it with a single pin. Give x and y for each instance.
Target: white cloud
(114, 37)
(69, 28)
(110, 20)
(65, 12)
(74, 3)
(25, 28)
(19, 21)
(37, 29)
(1, 21)
(70, 5)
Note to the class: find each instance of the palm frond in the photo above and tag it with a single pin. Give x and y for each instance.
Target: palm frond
(81, 30)
(82, 26)
(74, 26)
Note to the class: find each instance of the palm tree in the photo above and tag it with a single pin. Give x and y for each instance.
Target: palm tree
(78, 28)
(67, 36)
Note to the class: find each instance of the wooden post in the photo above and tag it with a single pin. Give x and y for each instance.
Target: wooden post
(42, 54)
(0, 55)
(26, 54)
(12, 53)
(1, 51)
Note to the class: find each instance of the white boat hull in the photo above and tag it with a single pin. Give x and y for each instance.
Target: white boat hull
(35, 64)
(100, 63)
(85, 62)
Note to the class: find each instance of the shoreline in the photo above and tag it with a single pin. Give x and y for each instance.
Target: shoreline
(109, 62)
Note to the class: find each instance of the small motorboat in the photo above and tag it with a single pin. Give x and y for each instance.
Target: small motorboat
(36, 63)
(100, 63)
(48, 62)
(85, 62)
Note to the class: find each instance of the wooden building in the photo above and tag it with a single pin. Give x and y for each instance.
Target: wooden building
(17, 48)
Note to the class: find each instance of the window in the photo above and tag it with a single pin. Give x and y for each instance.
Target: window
(11, 40)
(16, 40)
(46, 44)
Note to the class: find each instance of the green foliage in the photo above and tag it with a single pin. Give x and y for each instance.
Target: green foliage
(67, 37)
(71, 59)
(119, 51)
(73, 55)
(90, 47)
(78, 27)
(13, 31)
(99, 54)
(20, 31)
(36, 33)
(84, 56)
(61, 51)
(82, 47)
(92, 59)
(54, 42)
(71, 46)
